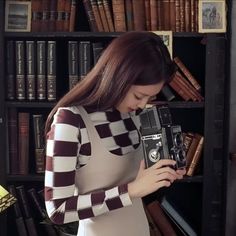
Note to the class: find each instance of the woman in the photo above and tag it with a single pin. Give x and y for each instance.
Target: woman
(94, 168)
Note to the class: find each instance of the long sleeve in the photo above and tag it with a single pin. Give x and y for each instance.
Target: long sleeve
(63, 203)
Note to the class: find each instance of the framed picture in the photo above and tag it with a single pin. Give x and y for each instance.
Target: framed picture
(18, 16)
(212, 16)
(167, 37)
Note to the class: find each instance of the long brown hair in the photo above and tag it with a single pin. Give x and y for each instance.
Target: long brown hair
(139, 58)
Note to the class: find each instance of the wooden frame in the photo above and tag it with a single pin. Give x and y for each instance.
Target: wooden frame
(212, 16)
(167, 37)
(18, 16)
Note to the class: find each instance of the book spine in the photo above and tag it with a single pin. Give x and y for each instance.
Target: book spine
(13, 140)
(20, 70)
(177, 15)
(192, 15)
(51, 71)
(172, 15)
(166, 14)
(30, 70)
(20, 224)
(129, 17)
(52, 15)
(90, 15)
(60, 15)
(97, 50)
(10, 70)
(73, 63)
(23, 142)
(196, 158)
(45, 15)
(187, 14)
(139, 15)
(107, 10)
(182, 15)
(84, 58)
(147, 15)
(41, 70)
(103, 15)
(36, 8)
(97, 15)
(72, 15)
(67, 15)
(118, 7)
(168, 94)
(153, 15)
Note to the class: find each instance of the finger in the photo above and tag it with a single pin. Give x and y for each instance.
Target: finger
(166, 176)
(164, 162)
(166, 169)
(142, 165)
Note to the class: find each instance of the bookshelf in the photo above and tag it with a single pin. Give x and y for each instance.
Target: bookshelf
(201, 198)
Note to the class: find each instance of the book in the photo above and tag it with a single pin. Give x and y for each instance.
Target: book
(196, 157)
(147, 15)
(160, 219)
(10, 70)
(13, 141)
(30, 70)
(51, 70)
(36, 9)
(67, 15)
(97, 48)
(172, 15)
(168, 94)
(20, 223)
(23, 142)
(90, 15)
(6, 199)
(60, 15)
(84, 58)
(118, 8)
(166, 14)
(108, 13)
(41, 70)
(97, 16)
(20, 70)
(103, 15)
(26, 210)
(177, 218)
(153, 15)
(45, 15)
(39, 143)
(139, 15)
(73, 63)
(52, 15)
(72, 17)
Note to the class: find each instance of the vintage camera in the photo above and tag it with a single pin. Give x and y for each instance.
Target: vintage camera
(160, 138)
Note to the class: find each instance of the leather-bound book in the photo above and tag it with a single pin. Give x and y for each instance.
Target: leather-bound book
(30, 70)
(10, 70)
(36, 9)
(20, 70)
(192, 15)
(108, 12)
(90, 15)
(51, 70)
(72, 15)
(97, 15)
(139, 15)
(187, 14)
(23, 142)
(160, 219)
(153, 15)
(177, 15)
(67, 15)
(41, 70)
(73, 63)
(45, 15)
(13, 141)
(182, 15)
(129, 16)
(85, 61)
(166, 14)
(60, 15)
(23, 200)
(147, 15)
(172, 15)
(20, 223)
(103, 15)
(52, 15)
(196, 157)
(97, 50)
(118, 8)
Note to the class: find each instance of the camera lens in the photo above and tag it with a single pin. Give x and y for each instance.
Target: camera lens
(181, 155)
(178, 139)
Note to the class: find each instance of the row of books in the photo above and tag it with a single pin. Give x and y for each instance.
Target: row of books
(165, 220)
(53, 15)
(26, 146)
(151, 15)
(31, 67)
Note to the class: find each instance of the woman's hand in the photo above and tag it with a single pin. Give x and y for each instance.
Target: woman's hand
(153, 178)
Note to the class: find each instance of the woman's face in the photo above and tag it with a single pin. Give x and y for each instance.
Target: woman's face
(138, 96)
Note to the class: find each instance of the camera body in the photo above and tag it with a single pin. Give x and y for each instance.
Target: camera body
(160, 138)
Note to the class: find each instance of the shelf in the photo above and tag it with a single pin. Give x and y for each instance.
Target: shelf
(191, 179)
(82, 34)
(25, 178)
(27, 104)
(181, 104)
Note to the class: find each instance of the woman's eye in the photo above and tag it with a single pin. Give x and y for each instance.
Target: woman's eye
(137, 97)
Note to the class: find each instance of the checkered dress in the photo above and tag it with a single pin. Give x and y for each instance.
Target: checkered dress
(69, 148)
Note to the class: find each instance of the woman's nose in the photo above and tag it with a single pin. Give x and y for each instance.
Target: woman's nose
(143, 103)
